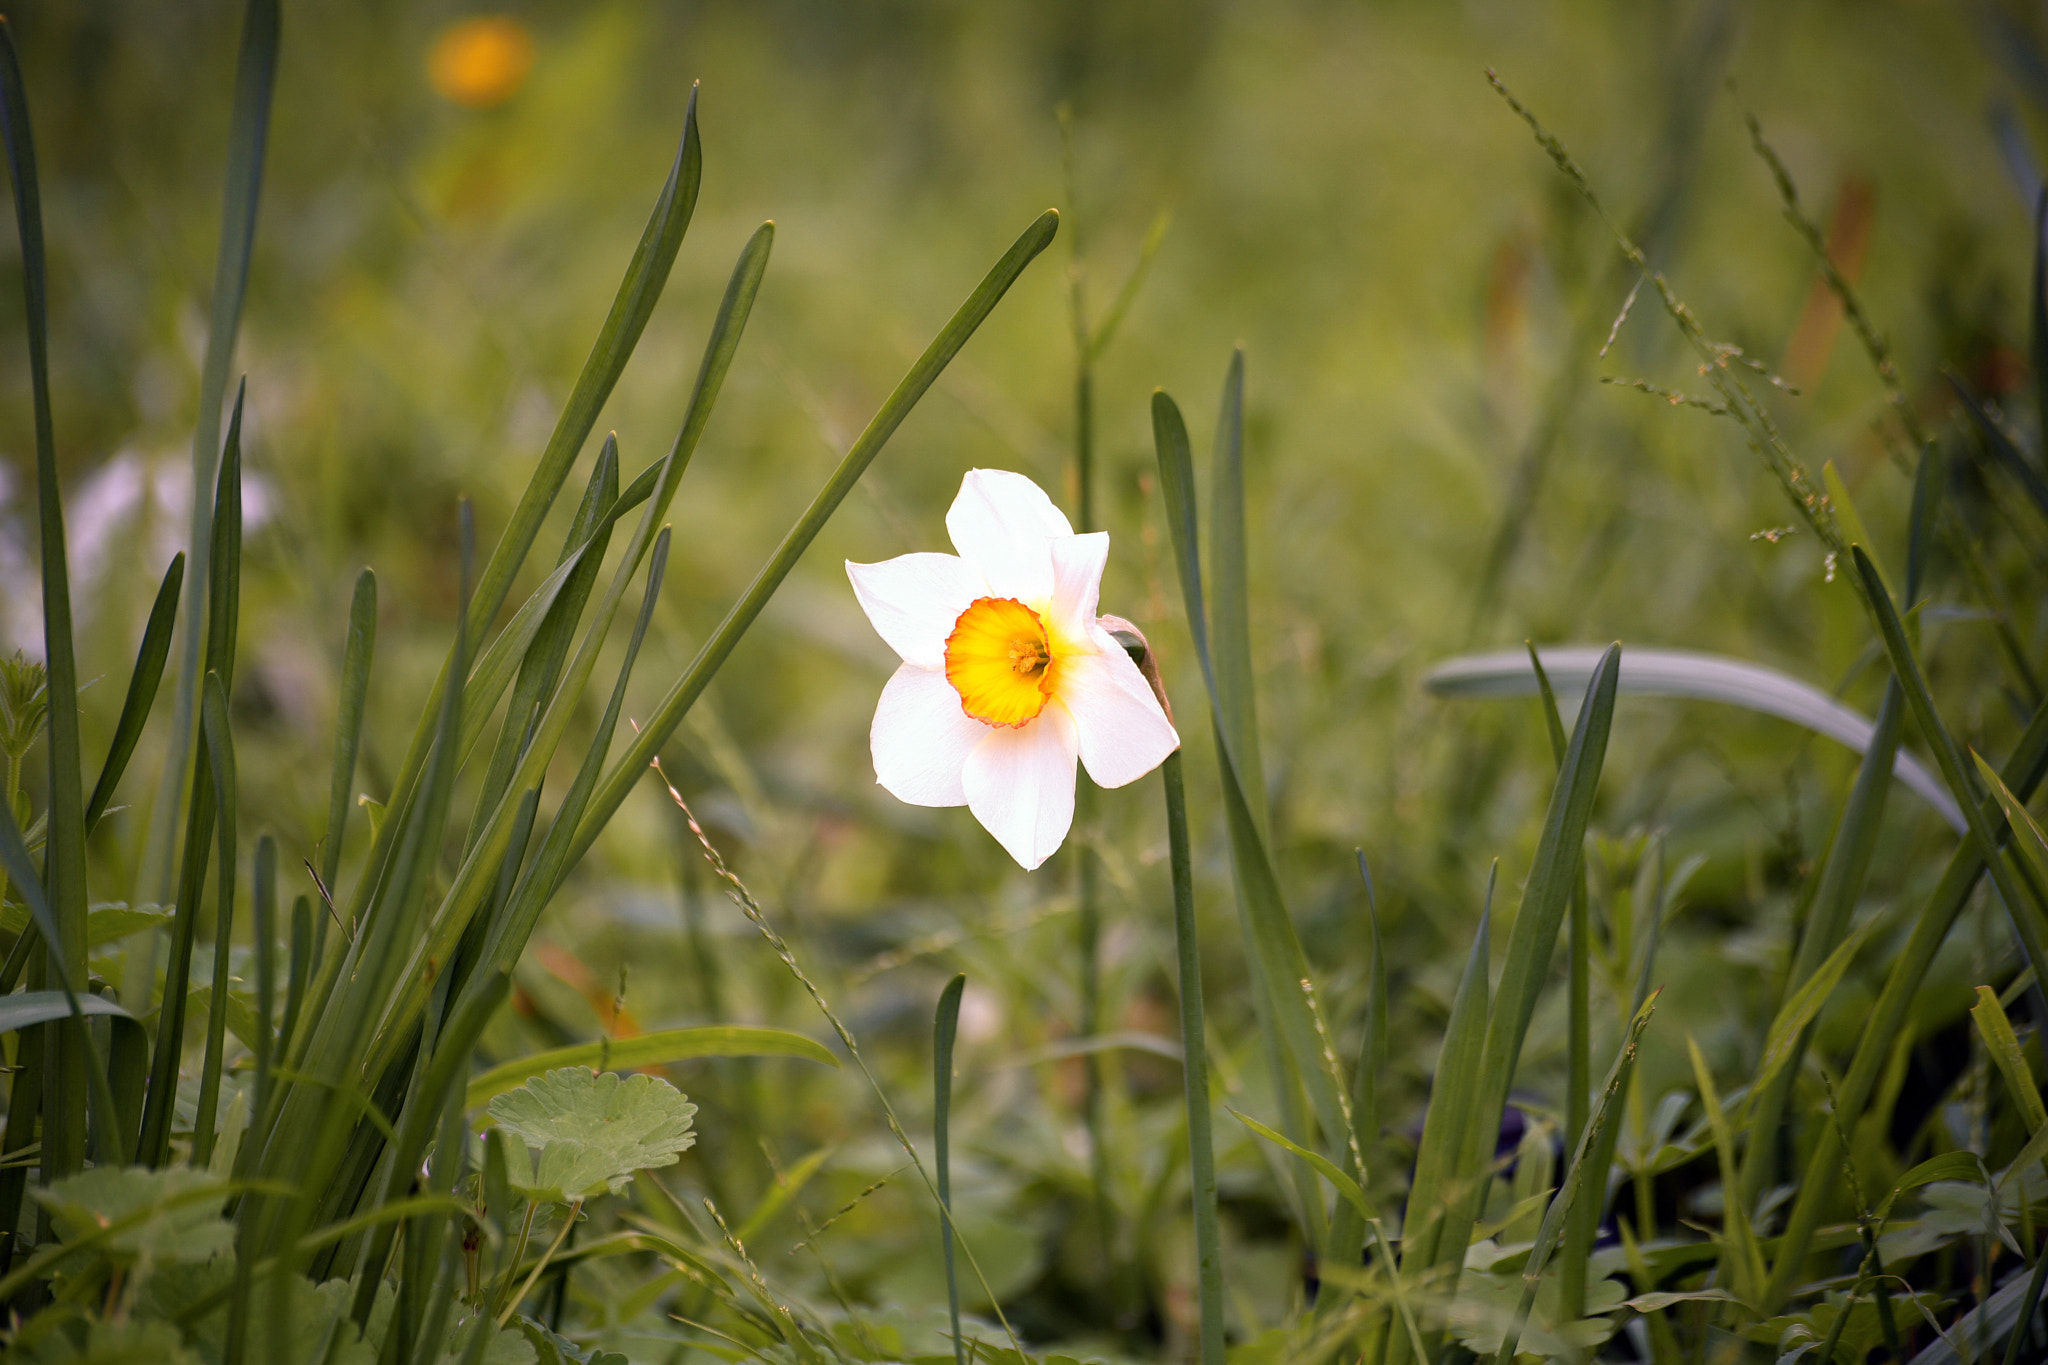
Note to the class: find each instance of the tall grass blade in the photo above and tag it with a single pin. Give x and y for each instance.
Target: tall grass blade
(2004, 1046)
(945, 1028)
(1584, 1167)
(64, 1100)
(1195, 1067)
(1280, 968)
(356, 653)
(263, 932)
(248, 134)
(14, 855)
(1692, 676)
(142, 686)
(1526, 962)
(2023, 773)
(1739, 1253)
(2024, 913)
(1230, 629)
(676, 704)
(220, 755)
(1453, 1100)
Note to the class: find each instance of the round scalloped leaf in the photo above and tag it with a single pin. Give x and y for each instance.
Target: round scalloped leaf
(173, 1220)
(592, 1131)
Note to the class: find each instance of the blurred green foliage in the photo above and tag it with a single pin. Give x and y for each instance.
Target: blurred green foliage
(1433, 465)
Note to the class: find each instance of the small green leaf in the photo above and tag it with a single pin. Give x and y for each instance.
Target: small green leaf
(593, 1132)
(1325, 1167)
(175, 1229)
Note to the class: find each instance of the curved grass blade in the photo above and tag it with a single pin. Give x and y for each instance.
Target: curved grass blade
(946, 1027)
(1230, 628)
(1692, 676)
(2004, 1046)
(2003, 451)
(674, 706)
(660, 1048)
(142, 686)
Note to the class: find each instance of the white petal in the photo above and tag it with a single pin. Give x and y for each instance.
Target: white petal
(1000, 524)
(921, 738)
(1076, 583)
(1122, 732)
(913, 601)
(1020, 785)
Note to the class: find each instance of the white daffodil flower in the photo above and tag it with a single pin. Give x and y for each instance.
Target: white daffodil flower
(1007, 674)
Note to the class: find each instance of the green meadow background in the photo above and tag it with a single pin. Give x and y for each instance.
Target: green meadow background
(1434, 466)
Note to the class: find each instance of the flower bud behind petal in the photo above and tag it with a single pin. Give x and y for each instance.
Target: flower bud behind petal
(1135, 644)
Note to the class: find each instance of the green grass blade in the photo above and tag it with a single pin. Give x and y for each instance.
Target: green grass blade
(1230, 640)
(153, 1146)
(356, 654)
(1347, 1188)
(507, 937)
(2004, 1046)
(659, 1048)
(14, 855)
(2023, 773)
(1195, 1067)
(142, 686)
(619, 781)
(64, 1098)
(641, 288)
(945, 1028)
(1453, 1098)
(1584, 1167)
(248, 134)
(1739, 1252)
(220, 755)
(298, 973)
(224, 586)
(1545, 899)
(544, 648)
(2023, 912)
(263, 930)
(1280, 968)
(1376, 1040)
(1579, 1025)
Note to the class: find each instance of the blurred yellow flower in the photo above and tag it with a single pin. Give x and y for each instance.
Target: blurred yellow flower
(480, 63)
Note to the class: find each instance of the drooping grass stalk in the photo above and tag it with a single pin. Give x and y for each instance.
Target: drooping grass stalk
(945, 1028)
(1194, 1067)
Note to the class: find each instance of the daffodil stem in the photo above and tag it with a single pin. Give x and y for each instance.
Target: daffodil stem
(1195, 1067)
